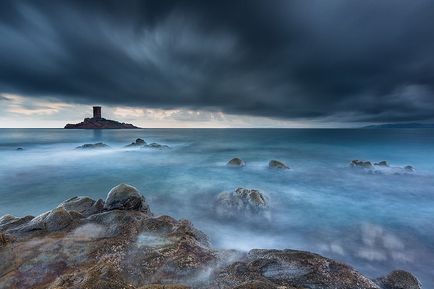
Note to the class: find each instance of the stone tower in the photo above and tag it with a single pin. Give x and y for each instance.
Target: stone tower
(97, 112)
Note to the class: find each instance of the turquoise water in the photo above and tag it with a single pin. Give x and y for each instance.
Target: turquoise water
(375, 222)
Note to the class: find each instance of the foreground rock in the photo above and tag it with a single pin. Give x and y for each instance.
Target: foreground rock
(240, 202)
(118, 243)
(236, 162)
(293, 269)
(126, 197)
(399, 280)
(273, 164)
(381, 167)
(90, 146)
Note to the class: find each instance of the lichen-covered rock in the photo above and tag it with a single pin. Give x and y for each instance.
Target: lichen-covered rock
(236, 162)
(399, 279)
(291, 268)
(126, 197)
(90, 146)
(125, 248)
(274, 164)
(137, 143)
(128, 248)
(241, 201)
(83, 205)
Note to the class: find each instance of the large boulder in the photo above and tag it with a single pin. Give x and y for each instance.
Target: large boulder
(83, 205)
(399, 279)
(274, 164)
(126, 197)
(241, 201)
(236, 162)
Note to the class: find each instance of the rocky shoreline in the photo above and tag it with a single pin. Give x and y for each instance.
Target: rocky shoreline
(119, 243)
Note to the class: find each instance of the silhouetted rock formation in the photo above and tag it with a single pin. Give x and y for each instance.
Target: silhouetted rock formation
(97, 122)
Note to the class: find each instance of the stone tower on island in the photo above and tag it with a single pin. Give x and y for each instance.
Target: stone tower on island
(97, 112)
(97, 122)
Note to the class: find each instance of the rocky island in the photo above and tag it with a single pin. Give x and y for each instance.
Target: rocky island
(120, 244)
(97, 122)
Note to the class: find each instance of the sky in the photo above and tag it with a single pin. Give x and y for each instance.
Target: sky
(274, 63)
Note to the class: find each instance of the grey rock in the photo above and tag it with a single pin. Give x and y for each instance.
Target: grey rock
(139, 142)
(361, 164)
(399, 279)
(90, 146)
(382, 164)
(57, 219)
(236, 162)
(155, 145)
(126, 197)
(409, 168)
(291, 268)
(83, 205)
(274, 164)
(241, 201)
(8, 222)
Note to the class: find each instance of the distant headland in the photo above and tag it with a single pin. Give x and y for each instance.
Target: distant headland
(402, 125)
(98, 122)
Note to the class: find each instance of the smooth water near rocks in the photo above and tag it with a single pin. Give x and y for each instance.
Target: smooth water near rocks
(375, 222)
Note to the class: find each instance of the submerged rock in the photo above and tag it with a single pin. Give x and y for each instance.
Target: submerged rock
(382, 164)
(240, 201)
(139, 142)
(90, 146)
(236, 162)
(409, 168)
(274, 164)
(361, 164)
(381, 167)
(126, 197)
(155, 145)
(399, 280)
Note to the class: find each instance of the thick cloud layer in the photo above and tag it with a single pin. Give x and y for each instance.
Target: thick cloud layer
(338, 60)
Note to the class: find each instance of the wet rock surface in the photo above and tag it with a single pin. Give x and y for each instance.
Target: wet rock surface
(155, 145)
(240, 202)
(137, 143)
(84, 243)
(90, 146)
(126, 197)
(274, 164)
(236, 162)
(399, 280)
(382, 167)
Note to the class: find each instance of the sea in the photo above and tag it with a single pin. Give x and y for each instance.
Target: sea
(375, 221)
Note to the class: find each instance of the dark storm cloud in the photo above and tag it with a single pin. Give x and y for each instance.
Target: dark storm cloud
(341, 60)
